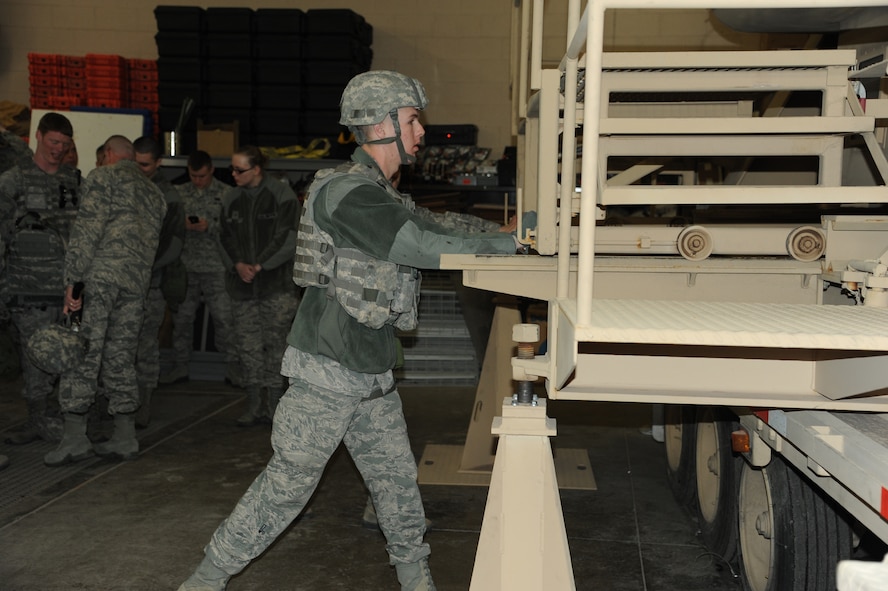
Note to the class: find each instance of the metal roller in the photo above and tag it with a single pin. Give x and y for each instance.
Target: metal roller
(806, 243)
(694, 243)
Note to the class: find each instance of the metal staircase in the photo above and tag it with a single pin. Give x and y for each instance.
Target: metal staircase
(440, 349)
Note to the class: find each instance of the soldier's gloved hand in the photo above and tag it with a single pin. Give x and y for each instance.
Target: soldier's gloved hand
(528, 222)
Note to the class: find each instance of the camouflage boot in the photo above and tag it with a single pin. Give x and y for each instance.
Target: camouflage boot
(415, 576)
(207, 577)
(75, 445)
(38, 426)
(234, 375)
(123, 444)
(255, 411)
(143, 415)
(177, 375)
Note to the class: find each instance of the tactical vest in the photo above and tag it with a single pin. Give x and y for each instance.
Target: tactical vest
(35, 253)
(373, 291)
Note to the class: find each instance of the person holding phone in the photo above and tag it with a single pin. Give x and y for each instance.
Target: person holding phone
(202, 200)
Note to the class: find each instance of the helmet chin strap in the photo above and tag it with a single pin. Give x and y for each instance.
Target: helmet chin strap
(405, 157)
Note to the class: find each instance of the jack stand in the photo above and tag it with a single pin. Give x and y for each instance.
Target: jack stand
(523, 543)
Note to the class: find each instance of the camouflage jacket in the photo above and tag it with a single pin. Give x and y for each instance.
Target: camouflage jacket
(259, 226)
(36, 213)
(117, 230)
(201, 250)
(13, 150)
(26, 188)
(172, 231)
(370, 219)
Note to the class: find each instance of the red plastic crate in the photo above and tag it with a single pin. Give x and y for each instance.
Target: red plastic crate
(145, 75)
(44, 84)
(142, 65)
(74, 61)
(78, 94)
(44, 69)
(110, 93)
(144, 97)
(63, 101)
(106, 71)
(74, 83)
(105, 103)
(143, 86)
(43, 91)
(41, 102)
(72, 72)
(50, 59)
(103, 84)
(99, 59)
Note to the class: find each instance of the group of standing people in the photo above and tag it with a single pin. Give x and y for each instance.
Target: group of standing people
(138, 244)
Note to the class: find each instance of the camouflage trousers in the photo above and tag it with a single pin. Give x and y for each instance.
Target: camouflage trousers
(111, 321)
(212, 287)
(38, 384)
(261, 327)
(148, 351)
(308, 427)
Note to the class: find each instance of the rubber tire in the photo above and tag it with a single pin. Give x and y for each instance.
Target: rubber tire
(809, 536)
(717, 476)
(680, 436)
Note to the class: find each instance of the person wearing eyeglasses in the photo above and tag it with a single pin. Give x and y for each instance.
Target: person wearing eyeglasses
(258, 238)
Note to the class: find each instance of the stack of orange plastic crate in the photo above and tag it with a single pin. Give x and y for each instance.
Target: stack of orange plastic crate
(73, 82)
(59, 82)
(45, 71)
(143, 86)
(106, 81)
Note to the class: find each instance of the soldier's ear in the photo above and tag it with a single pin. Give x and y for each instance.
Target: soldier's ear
(379, 129)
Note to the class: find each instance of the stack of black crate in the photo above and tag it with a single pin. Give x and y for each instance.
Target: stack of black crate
(278, 72)
(180, 41)
(337, 45)
(278, 77)
(228, 91)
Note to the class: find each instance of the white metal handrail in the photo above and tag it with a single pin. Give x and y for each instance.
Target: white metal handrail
(585, 39)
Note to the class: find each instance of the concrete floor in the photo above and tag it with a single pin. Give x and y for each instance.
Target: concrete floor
(141, 525)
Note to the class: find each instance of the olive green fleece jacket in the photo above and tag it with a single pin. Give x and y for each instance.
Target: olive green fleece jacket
(374, 222)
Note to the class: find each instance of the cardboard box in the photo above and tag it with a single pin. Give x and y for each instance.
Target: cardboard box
(218, 139)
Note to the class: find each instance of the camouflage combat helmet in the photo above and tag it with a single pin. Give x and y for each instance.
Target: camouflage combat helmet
(370, 96)
(56, 348)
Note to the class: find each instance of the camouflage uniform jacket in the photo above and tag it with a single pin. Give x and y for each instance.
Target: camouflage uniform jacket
(201, 251)
(117, 230)
(38, 203)
(259, 226)
(26, 188)
(13, 150)
(172, 232)
(369, 218)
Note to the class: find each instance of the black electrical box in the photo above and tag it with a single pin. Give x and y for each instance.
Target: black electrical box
(451, 135)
